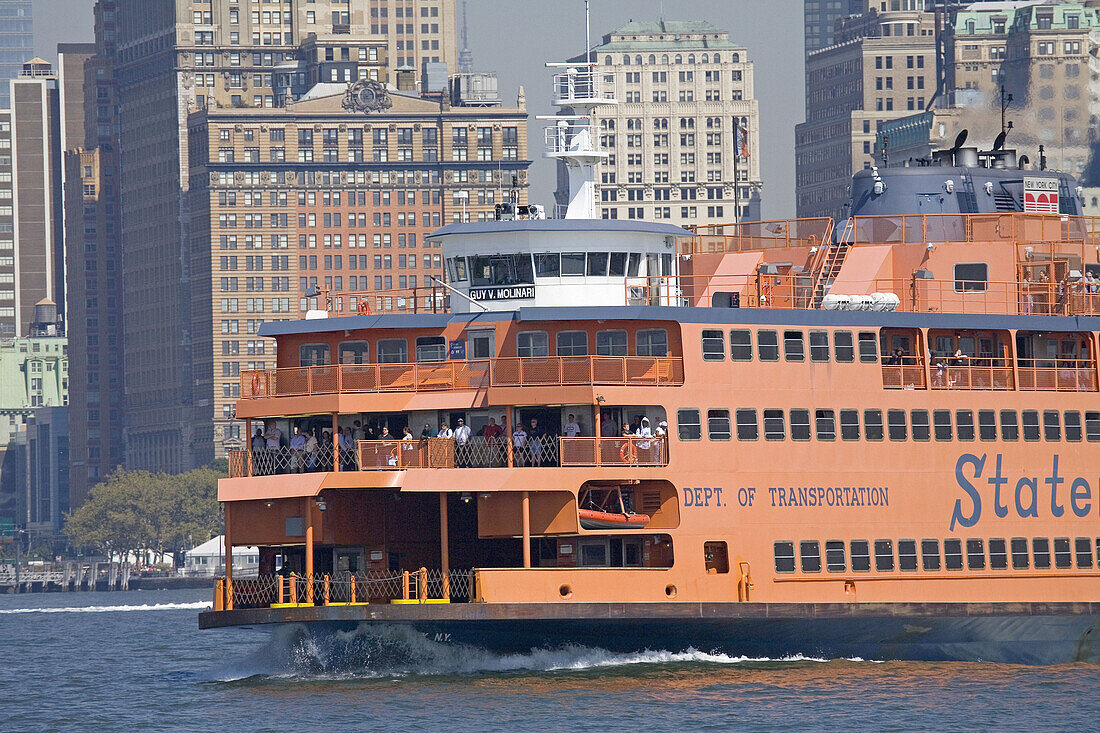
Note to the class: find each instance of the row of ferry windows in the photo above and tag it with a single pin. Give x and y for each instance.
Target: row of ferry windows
(1040, 553)
(1050, 425)
(794, 345)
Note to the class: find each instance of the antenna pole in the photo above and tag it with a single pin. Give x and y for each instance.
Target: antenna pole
(587, 34)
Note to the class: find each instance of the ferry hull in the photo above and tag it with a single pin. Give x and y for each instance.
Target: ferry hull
(1059, 633)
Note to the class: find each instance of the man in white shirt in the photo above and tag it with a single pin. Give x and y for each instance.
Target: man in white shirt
(462, 440)
(572, 429)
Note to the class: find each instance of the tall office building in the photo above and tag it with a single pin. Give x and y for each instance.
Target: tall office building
(684, 89)
(16, 42)
(820, 18)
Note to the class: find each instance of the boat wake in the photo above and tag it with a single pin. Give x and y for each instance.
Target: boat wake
(378, 651)
(108, 609)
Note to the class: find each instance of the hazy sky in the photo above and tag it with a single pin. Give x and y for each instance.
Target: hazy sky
(516, 37)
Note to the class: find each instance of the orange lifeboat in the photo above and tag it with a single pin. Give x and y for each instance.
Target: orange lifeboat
(594, 519)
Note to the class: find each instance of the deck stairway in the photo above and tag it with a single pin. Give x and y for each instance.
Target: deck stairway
(833, 261)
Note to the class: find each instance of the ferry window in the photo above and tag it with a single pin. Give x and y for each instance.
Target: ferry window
(1092, 426)
(953, 554)
(975, 554)
(1083, 550)
(666, 264)
(716, 557)
(741, 345)
(618, 264)
(458, 269)
(1073, 426)
(884, 555)
(548, 265)
(834, 556)
(652, 342)
(964, 424)
(634, 264)
(842, 344)
(793, 348)
(998, 554)
(767, 342)
(895, 420)
(482, 344)
(747, 428)
(774, 428)
(872, 424)
(572, 343)
(611, 343)
(1020, 559)
(819, 346)
(849, 424)
(825, 421)
(800, 424)
(907, 554)
(868, 348)
(511, 269)
(718, 424)
(1031, 425)
(930, 554)
(714, 345)
(597, 264)
(1052, 425)
(572, 264)
(431, 348)
(393, 351)
(784, 557)
(1040, 552)
(1062, 556)
(810, 552)
(313, 355)
(354, 352)
(987, 424)
(971, 277)
(861, 555)
(532, 344)
(942, 421)
(921, 429)
(1010, 427)
(687, 425)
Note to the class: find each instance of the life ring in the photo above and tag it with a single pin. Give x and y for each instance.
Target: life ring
(363, 307)
(627, 453)
(256, 385)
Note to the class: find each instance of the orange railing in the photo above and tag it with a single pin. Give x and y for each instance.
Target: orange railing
(1065, 375)
(758, 235)
(614, 452)
(344, 589)
(906, 372)
(947, 373)
(1008, 227)
(463, 375)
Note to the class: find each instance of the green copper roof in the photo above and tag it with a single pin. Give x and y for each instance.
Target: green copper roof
(649, 37)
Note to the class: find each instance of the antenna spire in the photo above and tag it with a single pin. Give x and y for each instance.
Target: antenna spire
(587, 33)
(465, 56)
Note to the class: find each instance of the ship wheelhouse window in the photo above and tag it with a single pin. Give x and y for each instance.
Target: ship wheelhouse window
(774, 427)
(1010, 426)
(548, 264)
(510, 269)
(921, 428)
(941, 420)
(784, 557)
(868, 347)
(687, 425)
(741, 345)
(718, 424)
(458, 269)
(572, 264)
(819, 346)
(843, 348)
(810, 553)
(971, 277)
(964, 424)
(1092, 426)
(611, 343)
(884, 556)
(716, 558)
(1031, 425)
(872, 424)
(800, 424)
(1052, 425)
(431, 348)
(747, 427)
(634, 264)
(1083, 550)
(354, 352)
(953, 554)
(987, 425)
(1073, 426)
(1020, 558)
(597, 264)
(572, 343)
(930, 555)
(975, 554)
(618, 264)
(793, 347)
(314, 355)
(1062, 556)
(825, 422)
(651, 342)
(1040, 552)
(861, 555)
(393, 351)
(767, 344)
(849, 424)
(834, 556)
(998, 554)
(532, 344)
(714, 345)
(895, 420)
(907, 555)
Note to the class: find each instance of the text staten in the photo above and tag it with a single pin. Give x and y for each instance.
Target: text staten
(968, 509)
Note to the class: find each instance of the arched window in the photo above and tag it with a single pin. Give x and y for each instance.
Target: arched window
(706, 58)
(638, 60)
(626, 61)
(970, 25)
(736, 58)
(679, 59)
(652, 59)
(691, 58)
(607, 61)
(717, 59)
(664, 58)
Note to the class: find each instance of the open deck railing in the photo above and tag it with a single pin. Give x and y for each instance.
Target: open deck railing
(906, 372)
(758, 235)
(949, 373)
(463, 375)
(1062, 375)
(1008, 227)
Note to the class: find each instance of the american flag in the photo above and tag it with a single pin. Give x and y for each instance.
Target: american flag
(741, 141)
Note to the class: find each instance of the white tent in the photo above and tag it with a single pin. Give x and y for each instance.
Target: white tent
(209, 559)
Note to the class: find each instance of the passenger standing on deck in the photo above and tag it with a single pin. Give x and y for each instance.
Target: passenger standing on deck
(347, 450)
(519, 445)
(445, 431)
(608, 426)
(644, 446)
(462, 443)
(357, 433)
(494, 436)
(311, 448)
(274, 440)
(297, 451)
(257, 447)
(572, 429)
(534, 439)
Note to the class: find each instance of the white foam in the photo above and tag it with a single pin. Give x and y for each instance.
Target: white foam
(108, 609)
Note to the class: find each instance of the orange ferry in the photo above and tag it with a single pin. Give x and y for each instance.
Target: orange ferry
(876, 439)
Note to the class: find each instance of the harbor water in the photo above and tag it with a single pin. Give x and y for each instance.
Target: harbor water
(135, 661)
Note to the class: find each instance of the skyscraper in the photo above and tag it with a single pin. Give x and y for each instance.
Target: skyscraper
(16, 43)
(821, 16)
